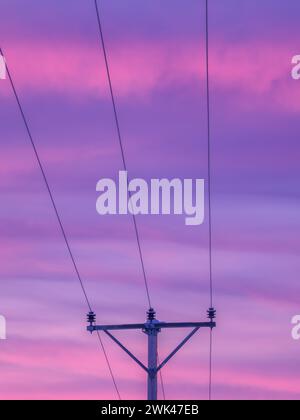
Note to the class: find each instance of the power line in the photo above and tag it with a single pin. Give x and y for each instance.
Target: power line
(210, 364)
(209, 187)
(161, 380)
(64, 234)
(209, 153)
(124, 164)
(121, 146)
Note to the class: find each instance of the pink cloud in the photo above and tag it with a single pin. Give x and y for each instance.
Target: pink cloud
(255, 68)
(16, 162)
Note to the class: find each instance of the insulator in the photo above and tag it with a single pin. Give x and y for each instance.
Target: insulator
(91, 317)
(211, 313)
(151, 314)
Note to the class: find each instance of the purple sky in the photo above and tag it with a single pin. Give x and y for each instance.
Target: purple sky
(156, 51)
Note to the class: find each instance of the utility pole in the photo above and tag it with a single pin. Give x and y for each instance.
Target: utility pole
(152, 327)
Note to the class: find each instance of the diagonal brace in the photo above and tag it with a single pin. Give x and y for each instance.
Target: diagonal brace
(178, 348)
(126, 351)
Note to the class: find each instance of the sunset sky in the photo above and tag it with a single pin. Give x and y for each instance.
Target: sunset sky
(156, 51)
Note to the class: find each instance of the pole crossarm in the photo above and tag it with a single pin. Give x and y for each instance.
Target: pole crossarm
(152, 327)
(159, 325)
(186, 325)
(92, 328)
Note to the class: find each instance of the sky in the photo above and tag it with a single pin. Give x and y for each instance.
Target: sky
(156, 52)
